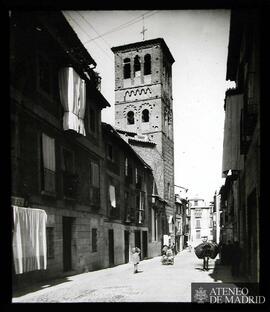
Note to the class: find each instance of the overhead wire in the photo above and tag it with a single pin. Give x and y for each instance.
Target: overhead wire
(110, 57)
(125, 25)
(92, 28)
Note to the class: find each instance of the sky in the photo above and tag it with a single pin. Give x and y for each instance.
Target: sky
(198, 41)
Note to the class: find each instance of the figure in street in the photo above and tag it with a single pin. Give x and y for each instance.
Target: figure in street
(206, 256)
(205, 263)
(164, 250)
(135, 258)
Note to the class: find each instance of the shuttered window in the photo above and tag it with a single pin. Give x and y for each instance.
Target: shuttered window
(48, 163)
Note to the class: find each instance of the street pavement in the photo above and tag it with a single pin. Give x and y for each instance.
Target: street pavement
(154, 283)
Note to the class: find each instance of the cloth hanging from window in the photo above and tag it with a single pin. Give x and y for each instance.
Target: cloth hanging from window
(72, 91)
(112, 195)
(82, 103)
(232, 159)
(29, 239)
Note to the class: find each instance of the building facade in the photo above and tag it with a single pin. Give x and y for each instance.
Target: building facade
(240, 195)
(88, 196)
(201, 221)
(144, 113)
(56, 148)
(181, 206)
(128, 219)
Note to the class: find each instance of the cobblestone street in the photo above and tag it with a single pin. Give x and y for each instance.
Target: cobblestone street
(154, 283)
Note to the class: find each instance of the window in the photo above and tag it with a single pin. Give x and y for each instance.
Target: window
(140, 203)
(126, 167)
(48, 163)
(129, 177)
(198, 234)
(198, 223)
(145, 115)
(130, 118)
(154, 225)
(137, 66)
(94, 240)
(138, 179)
(127, 71)
(112, 155)
(198, 213)
(110, 152)
(94, 184)
(195, 203)
(92, 120)
(147, 64)
(127, 210)
(50, 242)
(69, 178)
(67, 161)
(113, 197)
(44, 74)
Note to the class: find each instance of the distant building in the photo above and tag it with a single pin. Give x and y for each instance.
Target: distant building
(201, 221)
(216, 218)
(181, 206)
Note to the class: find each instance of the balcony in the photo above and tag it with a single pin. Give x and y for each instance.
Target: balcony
(48, 181)
(70, 185)
(114, 213)
(94, 197)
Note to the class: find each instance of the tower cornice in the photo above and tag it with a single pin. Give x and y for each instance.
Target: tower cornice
(145, 43)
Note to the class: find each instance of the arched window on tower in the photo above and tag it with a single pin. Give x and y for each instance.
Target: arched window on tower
(127, 68)
(145, 115)
(137, 66)
(130, 118)
(147, 64)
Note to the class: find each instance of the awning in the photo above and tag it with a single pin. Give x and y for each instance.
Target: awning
(29, 239)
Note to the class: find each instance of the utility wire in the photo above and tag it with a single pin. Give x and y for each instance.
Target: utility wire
(93, 28)
(88, 36)
(122, 26)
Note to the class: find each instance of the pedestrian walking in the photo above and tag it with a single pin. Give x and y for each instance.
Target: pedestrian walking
(205, 263)
(206, 255)
(135, 258)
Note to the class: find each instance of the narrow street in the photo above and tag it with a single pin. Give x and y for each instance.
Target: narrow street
(155, 283)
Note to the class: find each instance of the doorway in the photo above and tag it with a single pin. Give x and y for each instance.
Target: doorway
(137, 234)
(126, 251)
(111, 248)
(144, 241)
(67, 237)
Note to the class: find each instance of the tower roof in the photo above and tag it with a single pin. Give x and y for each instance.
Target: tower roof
(146, 43)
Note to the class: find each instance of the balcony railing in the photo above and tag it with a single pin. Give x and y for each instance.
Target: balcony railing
(114, 213)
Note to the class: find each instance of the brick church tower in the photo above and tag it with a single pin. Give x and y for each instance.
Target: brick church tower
(143, 109)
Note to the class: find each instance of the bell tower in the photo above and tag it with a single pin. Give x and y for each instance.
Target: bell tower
(143, 102)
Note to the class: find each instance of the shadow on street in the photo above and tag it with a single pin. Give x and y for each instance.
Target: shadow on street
(23, 290)
(222, 273)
